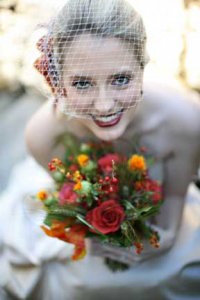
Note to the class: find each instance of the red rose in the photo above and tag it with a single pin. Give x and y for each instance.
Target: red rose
(67, 194)
(105, 163)
(107, 217)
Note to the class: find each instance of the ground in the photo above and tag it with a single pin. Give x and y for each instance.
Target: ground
(14, 114)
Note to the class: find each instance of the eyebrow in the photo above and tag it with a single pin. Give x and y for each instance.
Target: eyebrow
(78, 77)
(84, 78)
(128, 73)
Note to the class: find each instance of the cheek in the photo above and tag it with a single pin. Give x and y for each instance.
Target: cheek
(135, 88)
(129, 96)
(77, 99)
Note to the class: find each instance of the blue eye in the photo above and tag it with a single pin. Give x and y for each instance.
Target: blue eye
(121, 80)
(82, 84)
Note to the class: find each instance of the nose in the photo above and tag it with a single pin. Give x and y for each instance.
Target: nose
(103, 101)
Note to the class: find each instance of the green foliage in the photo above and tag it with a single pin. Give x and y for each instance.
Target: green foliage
(93, 186)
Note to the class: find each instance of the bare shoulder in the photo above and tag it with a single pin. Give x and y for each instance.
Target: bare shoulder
(178, 106)
(47, 121)
(43, 130)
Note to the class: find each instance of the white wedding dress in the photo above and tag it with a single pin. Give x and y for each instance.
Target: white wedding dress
(34, 266)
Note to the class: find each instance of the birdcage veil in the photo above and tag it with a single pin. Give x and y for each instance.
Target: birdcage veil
(76, 80)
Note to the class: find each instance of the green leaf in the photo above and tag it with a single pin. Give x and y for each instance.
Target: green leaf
(81, 218)
(50, 201)
(128, 205)
(67, 210)
(147, 212)
(50, 217)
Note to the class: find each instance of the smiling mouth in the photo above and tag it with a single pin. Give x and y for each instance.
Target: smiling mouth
(108, 120)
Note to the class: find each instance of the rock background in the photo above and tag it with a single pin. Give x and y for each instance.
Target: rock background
(173, 30)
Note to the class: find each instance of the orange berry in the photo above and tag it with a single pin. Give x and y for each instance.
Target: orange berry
(42, 195)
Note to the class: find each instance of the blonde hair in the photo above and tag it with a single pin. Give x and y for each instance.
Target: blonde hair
(103, 18)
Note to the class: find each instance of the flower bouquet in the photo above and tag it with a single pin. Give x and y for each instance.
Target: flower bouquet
(101, 194)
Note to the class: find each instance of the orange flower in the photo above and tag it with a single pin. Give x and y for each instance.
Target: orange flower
(83, 159)
(79, 253)
(58, 228)
(42, 195)
(77, 186)
(138, 185)
(74, 235)
(137, 163)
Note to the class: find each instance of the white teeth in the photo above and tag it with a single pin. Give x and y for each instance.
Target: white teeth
(108, 118)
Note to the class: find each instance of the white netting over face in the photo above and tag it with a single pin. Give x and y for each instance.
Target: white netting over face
(93, 57)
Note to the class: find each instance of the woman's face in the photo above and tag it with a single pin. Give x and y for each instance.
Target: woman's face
(103, 82)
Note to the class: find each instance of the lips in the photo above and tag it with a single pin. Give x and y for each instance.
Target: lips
(109, 120)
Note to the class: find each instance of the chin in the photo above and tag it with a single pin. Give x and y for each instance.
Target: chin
(109, 133)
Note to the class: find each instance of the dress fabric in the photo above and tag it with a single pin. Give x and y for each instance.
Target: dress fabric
(34, 266)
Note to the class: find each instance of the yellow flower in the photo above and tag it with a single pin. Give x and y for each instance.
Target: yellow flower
(77, 176)
(55, 194)
(83, 159)
(137, 163)
(42, 195)
(77, 186)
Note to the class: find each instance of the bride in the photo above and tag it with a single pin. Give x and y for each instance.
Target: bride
(94, 58)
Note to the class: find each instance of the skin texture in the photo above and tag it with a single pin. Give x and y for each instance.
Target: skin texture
(167, 121)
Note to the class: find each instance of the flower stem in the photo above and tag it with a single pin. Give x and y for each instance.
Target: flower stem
(115, 265)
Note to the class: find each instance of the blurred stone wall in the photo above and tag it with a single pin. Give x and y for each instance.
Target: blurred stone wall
(173, 29)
